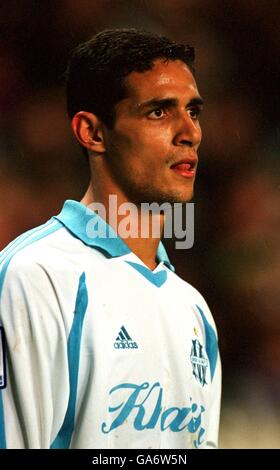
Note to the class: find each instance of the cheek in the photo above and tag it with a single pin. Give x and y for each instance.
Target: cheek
(130, 143)
(153, 141)
(141, 144)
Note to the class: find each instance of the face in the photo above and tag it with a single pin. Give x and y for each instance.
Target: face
(152, 149)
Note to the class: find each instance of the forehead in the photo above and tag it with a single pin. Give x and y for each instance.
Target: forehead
(164, 78)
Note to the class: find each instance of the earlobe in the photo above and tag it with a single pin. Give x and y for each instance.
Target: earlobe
(88, 130)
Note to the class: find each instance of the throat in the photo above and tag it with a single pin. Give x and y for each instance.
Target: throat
(145, 250)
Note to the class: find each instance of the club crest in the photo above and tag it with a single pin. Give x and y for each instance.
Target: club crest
(199, 362)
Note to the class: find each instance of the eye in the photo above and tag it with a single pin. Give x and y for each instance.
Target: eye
(194, 112)
(157, 113)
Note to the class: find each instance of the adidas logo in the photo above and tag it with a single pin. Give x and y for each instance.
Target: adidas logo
(124, 341)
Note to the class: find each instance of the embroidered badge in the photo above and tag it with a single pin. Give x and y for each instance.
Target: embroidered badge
(199, 362)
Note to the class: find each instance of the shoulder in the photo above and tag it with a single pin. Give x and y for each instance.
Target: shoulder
(44, 245)
(35, 257)
(26, 241)
(36, 282)
(196, 299)
(186, 288)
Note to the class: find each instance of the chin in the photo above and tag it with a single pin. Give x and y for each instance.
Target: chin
(165, 195)
(174, 198)
(182, 197)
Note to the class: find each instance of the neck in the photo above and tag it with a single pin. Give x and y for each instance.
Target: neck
(140, 230)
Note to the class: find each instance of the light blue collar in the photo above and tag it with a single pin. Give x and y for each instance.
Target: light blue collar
(79, 220)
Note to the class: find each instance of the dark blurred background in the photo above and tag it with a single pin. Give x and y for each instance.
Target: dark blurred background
(235, 261)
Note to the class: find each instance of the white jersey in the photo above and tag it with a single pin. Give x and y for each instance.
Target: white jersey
(98, 351)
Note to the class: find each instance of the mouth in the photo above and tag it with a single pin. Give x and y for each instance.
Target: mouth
(185, 167)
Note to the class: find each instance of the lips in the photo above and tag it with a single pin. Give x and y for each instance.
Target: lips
(185, 167)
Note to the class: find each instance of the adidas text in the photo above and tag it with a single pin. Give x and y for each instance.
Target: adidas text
(125, 345)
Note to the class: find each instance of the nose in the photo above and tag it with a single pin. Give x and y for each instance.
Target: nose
(187, 132)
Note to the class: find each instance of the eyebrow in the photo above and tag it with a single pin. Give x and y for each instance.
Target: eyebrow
(168, 103)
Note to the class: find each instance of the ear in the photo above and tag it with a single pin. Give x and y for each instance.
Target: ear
(88, 130)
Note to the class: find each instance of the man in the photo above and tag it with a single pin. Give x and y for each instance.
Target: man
(105, 346)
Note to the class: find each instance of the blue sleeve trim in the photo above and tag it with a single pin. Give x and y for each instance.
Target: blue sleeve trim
(63, 439)
(211, 343)
(3, 385)
(2, 424)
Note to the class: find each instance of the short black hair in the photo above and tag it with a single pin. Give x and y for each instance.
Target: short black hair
(97, 68)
